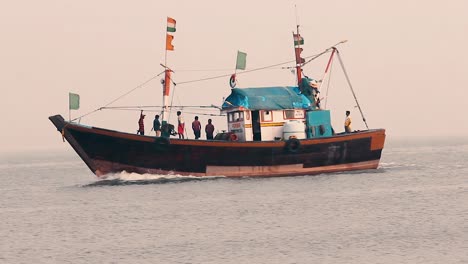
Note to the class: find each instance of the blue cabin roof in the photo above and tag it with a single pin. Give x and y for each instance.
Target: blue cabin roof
(267, 98)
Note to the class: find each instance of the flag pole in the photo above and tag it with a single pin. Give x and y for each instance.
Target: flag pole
(164, 115)
(165, 49)
(298, 63)
(235, 67)
(167, 75)
(69, 108)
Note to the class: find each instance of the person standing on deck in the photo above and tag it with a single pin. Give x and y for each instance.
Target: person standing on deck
(141, 124)
(347, 123)
(157, 126)
(180, 125)
(209, 129)
(196, 126)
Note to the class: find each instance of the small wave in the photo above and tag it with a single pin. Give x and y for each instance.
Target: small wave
(125, 178)
(41, 164)
(394, 165)
(380, 169)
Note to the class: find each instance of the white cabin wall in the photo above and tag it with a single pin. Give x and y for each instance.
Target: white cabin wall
(271, 125)
(274, 128)
(248, 136)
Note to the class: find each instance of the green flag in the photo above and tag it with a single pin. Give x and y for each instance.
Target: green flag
(241, 60)
(74, 101)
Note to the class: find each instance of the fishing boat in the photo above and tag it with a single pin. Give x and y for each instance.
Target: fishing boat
(271, 131)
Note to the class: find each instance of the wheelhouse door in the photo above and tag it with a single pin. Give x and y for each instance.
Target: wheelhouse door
(256, 128)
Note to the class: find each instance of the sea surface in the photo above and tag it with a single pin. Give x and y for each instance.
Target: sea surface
(413, 209)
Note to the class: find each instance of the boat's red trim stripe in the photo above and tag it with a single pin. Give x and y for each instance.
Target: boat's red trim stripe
(242, 171)
(378, 138)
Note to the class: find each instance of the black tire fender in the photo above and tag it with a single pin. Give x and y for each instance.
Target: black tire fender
(162, 141)
(292, 145)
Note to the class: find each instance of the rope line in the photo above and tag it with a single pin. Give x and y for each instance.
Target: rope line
(156, 106)
(351, 87)
(328, 84)
(248, 71)
(313, 57)
(155, 111)
(118, 98)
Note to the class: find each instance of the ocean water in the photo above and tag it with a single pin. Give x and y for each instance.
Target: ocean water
(413, 209)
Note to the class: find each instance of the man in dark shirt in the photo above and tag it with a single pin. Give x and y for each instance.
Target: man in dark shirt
(209, 129)
(196, 126)
(157, 126)
(141, 124)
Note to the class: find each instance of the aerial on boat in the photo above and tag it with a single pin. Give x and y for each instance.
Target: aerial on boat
(271, 131)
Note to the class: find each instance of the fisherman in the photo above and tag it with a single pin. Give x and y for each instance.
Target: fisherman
(157, 126)
(196, 126)
(309, 88)
(347, 123)
(141, 124)
(317, 101)
(209, 129)
(180, 125)
(305, 87)
(313, 83)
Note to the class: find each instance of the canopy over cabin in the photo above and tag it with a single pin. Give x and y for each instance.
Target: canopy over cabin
(267, 98)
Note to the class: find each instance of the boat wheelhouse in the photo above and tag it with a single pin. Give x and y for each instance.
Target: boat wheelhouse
(270, 113)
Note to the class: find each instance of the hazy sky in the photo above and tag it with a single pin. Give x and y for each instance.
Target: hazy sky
(407, 60)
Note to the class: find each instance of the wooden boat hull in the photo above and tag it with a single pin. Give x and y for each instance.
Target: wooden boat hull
(106, 151)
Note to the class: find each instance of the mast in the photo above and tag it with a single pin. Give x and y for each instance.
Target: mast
(297, 51)
(166, 91)
(166, 85)
(170, 27)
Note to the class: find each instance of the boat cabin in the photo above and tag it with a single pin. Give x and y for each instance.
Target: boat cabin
(274, 113)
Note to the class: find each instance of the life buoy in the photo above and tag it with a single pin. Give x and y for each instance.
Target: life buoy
(292, 145)
(232, 81)
(233, 137)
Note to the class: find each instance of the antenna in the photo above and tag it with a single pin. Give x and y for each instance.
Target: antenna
(295, 12)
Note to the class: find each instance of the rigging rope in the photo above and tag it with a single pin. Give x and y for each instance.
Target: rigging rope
(350, 86)
(313, 57)
(155, 111)
(118, 98)
(172, 99)
(156, 106)
(328, 84)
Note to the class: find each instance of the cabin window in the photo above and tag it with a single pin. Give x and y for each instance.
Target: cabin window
(293, 114)
(236, 117)
(240, 116)
(267, 116)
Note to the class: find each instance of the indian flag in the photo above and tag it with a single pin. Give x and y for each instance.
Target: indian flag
(298, 40)
(171, 24)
